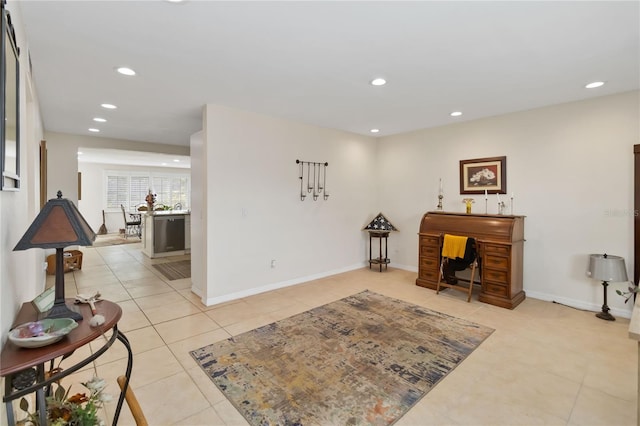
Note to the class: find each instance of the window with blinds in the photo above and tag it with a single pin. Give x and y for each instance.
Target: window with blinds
(130, 189)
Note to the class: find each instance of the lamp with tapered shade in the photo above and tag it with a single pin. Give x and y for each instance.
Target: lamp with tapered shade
(58, 225)
(607, 268)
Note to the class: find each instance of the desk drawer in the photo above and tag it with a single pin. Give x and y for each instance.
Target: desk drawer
(429, 250)
(428, 274)
(429, 263)
(494, 275)
(496, 249)
(496, 262)
(496, 289)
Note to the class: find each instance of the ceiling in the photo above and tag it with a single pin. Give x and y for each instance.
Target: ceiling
(312, 61)
(133, 158)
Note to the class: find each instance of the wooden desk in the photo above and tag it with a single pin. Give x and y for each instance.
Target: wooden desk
(18, 363)
(500, 241)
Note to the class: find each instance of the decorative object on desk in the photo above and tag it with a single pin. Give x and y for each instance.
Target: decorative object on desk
(483, 174)
(511, 204)
(486, 202)
(90, 300)
(501, 205)
(58, 225)
(75, 410)
(379, 228)
(96, 319)
(440, 196)
(364, 359)
(36, 334)
(606, 268)
(44, 301)
(316, 186)
(468, 202)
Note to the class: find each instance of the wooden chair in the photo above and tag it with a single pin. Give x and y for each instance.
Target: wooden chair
(474, 258)
(131, 225)
(132, 402)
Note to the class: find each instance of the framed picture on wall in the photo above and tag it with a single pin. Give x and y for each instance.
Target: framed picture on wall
(482, 174)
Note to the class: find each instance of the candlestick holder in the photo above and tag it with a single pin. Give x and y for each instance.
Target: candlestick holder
(440, 197)
(511, 206)
(486, 208)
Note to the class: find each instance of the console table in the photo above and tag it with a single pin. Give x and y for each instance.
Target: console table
(382, 236)
(500, 241)
(24, 368)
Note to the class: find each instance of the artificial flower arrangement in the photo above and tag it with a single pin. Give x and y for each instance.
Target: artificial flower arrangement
(75, 410)
(150, 199)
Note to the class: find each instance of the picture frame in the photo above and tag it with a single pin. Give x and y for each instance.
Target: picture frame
(483, 174)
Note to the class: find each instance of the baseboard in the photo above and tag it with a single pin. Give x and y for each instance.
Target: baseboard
(579, 304)
(281, 284)
(404, 267)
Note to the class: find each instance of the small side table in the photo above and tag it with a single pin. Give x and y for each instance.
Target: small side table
(23, 368)
(382, 236)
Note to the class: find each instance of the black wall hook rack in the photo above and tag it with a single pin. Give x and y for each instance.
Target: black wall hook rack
(315, 185)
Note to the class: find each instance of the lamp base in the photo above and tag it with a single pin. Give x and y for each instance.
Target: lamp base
(61, 310)
(605, 316)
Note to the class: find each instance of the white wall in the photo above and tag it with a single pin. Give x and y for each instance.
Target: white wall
(21, 274)
(198, 224)
(253, 208)
(94, 189)
(570, 167)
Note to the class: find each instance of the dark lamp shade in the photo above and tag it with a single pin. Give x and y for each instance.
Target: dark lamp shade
(607, 268)
(59, 224)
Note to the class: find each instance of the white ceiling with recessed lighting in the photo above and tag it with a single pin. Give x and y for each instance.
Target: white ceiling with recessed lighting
(313, 61)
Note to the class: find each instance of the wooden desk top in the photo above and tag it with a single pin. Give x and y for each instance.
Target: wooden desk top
(14, 358)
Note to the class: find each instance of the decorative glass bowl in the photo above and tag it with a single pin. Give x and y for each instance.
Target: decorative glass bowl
(41, 333)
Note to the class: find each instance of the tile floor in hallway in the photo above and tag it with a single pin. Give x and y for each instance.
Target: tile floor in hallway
(544, 364)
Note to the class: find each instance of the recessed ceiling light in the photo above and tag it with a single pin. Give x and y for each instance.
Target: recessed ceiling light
(176, 160)
(175, 1)
(456, 114)
(594, 84)
(163, 164)
(79, 152)
(94, 130)
(126, 71)
(375, 130)
(108, 106)
(100, 120)
(378, 82)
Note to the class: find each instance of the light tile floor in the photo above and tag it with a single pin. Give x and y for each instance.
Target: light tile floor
(544, 364)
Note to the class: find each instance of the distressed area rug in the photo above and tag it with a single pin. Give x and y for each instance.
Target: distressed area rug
(364, 359)
(175, 270)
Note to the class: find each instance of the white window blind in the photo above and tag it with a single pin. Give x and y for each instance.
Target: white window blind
(117, 191)
(131, 188)
(139, 189)
(172, 190)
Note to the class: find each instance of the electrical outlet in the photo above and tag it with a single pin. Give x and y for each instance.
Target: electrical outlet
(273, 263)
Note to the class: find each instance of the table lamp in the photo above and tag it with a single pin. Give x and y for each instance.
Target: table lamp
(606, 269)
(58, 225)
